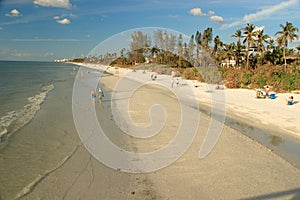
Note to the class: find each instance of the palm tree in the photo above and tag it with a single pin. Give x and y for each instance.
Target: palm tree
(238, 47)
(260, 40)
(238, 35)
(191, 47)
(227, 53)
(249, 35)
(217, 44)
(207, 38)
(198, 40)
(287, 34)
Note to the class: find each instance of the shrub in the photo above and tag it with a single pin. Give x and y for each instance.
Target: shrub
(246, 79)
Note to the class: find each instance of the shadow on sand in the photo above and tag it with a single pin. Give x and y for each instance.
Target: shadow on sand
(292, 194)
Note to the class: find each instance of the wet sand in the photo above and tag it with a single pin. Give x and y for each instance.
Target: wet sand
(237, 168)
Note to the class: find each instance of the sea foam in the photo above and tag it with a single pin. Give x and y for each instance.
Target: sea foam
(14, 120)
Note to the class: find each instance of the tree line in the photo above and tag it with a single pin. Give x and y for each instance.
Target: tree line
(259, 58)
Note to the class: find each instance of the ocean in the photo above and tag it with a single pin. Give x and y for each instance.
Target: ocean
(37, 131)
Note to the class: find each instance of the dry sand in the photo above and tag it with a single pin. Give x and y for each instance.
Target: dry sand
(237, 168)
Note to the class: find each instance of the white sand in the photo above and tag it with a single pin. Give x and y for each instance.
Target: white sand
(272, 114)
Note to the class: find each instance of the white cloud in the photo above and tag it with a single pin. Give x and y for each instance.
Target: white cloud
(53, 3)
(196, 12)
(262, 14)
(216, 18)
(14, 13)
(63, 21)
(268, 11)
(56, 17)
(211, 13)
(233, 24)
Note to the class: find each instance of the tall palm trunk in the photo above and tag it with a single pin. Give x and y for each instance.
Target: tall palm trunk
(284, 57)
(248, 50)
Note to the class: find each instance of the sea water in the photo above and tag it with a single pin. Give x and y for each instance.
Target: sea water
(37, 131)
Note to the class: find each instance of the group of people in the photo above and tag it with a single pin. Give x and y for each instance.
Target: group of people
(153, 77)
(262, 94)
(94, 95)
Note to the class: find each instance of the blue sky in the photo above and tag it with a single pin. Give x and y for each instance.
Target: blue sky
(57, 29)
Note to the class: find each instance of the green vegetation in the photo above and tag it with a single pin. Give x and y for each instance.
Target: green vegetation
(253, 61)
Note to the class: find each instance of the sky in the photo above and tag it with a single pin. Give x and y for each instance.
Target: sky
(45, 30)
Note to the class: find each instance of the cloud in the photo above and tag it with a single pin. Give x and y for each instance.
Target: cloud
(268, 11)
(63, 21)
(233, 24)
(59, 20)
(54, 3)
(213, 17)
(196, 12)
(262, 14)
(211, 13)
(14, 13)
(216, 18)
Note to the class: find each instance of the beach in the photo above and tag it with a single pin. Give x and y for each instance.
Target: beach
(238, 167)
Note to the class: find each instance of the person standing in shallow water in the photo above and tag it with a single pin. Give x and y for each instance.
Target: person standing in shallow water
(93, 95)
(100, 94)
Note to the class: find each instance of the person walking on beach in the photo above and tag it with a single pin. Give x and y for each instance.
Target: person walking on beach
(172, 83)
(100, 94)
(177, 82)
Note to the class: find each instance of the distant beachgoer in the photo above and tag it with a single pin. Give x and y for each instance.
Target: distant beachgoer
(100, 94)
(290, 100)
(172, 82)
(177, 82)
(93, 95)
(267, 90)
(219, 87)
(173, 73)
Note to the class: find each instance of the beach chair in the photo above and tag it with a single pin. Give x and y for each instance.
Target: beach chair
(260, 94)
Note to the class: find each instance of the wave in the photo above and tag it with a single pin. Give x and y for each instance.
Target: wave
(14, 120)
